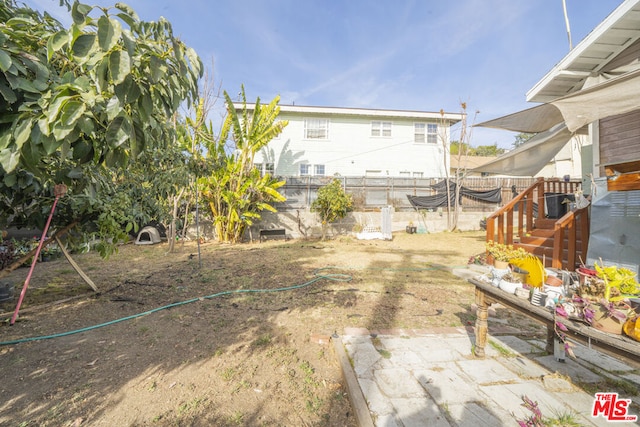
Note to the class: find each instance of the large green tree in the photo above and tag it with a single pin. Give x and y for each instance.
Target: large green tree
(236, 192)
(522, 138)
(489, 150)
(77, 101)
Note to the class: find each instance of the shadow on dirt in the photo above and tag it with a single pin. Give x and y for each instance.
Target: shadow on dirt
(233, 343)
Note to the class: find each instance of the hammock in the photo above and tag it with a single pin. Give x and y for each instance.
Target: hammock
(440, 199)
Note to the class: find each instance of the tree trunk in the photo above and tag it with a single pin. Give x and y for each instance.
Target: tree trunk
(172, 228)
(186, 222)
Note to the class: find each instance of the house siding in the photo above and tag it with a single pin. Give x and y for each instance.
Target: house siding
(350, 150)
(620, 139)
(627, 56)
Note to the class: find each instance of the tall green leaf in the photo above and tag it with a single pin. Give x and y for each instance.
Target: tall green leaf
(7, 93)
(119, 65)
(79, 12)
(83, 46)
(22, 132)
(56, 42)
(5, 137)
(60, 132)
(108, 33)
(118, 131)
(9, 159)
(5, 60)
(72, 111)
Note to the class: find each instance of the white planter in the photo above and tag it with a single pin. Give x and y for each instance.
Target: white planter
(509, 287)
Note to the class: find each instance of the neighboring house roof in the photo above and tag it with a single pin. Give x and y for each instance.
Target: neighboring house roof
(469, 162)
(593, 55)
(452, 118)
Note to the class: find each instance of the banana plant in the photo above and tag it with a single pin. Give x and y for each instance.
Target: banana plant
(235, 191)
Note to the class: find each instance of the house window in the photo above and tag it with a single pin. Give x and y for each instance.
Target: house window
(419, 132)
(432, 133)
(405, 174)
(316, 129)
(265, 168)
(418, 174)
(318, 170)
(305, 169)
(381, 129)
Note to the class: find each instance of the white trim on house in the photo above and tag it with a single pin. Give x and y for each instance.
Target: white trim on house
(591, 56)
(302, 109)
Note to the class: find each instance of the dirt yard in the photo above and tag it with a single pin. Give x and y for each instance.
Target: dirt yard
(237, 341)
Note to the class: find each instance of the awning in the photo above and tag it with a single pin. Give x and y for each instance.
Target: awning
(532, 120)
(529, 158)
(615, 96)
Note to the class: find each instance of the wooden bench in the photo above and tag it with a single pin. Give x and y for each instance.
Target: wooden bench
(273, 233)
(618, 346)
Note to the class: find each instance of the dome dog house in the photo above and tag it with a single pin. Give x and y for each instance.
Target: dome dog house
(148, 236)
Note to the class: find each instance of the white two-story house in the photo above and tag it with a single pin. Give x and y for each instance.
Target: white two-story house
(328, 141)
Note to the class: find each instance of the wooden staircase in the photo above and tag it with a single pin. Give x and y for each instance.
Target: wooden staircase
(560, 243)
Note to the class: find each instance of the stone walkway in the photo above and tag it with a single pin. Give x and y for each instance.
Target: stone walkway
(430, 378)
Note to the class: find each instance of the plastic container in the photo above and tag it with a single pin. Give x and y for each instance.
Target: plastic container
(555, 207)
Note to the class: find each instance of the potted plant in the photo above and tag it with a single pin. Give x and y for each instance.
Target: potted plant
(502, 254)
(619, 282)
(606, 316)
(610, 317)
(510, 282)
(50, 252)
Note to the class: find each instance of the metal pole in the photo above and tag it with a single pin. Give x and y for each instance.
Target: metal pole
(59, 190)
(566, 21)
(198, 228)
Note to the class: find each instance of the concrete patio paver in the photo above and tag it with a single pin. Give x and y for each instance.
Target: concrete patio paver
(420, 378)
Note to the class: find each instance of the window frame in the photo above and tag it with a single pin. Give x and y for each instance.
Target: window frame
(381, 129)
(269, 168)
(316, 133)
(431, 134)
(420, 137)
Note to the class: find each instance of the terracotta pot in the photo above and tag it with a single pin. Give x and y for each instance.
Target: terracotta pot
(501, 265)
(553, 281)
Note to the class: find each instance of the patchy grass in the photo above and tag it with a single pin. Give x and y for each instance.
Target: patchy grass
(501, 349)
(240, 358)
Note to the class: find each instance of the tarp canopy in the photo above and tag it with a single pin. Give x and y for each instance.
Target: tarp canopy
(440, 199)
(617, 95)
(529, 158)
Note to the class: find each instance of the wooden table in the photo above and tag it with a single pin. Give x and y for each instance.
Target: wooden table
(618, 346)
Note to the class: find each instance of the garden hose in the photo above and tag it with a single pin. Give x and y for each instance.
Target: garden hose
(336, 277)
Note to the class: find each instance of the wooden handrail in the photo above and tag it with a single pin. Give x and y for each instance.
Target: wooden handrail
(524, 220)
(503, 224)
(568, 222)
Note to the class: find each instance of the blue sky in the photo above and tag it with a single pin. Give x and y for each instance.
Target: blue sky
(403, 54)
